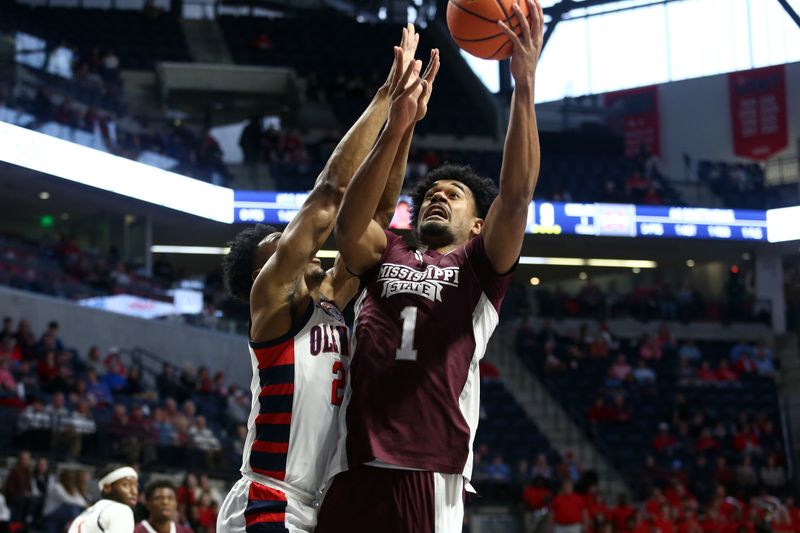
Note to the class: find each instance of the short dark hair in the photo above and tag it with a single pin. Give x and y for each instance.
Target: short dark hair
(159, 484)
(483, 189)
(239, 264)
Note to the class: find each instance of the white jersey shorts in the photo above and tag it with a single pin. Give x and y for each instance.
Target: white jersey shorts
(256, 507)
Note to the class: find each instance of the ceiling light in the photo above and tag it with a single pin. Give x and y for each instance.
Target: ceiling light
(535, 281)
(44, 195)
(636, 270)
(583, 275)
(690, 263)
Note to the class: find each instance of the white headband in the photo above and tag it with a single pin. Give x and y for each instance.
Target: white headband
(115, 475)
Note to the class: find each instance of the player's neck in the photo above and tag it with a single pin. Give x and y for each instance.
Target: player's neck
(161, 526)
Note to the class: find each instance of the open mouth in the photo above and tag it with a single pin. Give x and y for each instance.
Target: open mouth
(436, 212)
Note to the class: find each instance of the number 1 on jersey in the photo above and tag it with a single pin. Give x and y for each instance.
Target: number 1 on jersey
(406, 352)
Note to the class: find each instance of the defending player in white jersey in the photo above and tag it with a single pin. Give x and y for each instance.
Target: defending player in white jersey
(297, 334)
(113, 513)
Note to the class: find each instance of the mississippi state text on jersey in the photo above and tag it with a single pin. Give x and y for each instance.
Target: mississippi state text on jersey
(298, 384)
(422, 323)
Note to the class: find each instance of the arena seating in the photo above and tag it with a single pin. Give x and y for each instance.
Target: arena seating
(140, 38)
(346, 73)
(660, 404)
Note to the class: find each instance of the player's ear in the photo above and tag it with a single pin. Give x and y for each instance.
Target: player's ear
(254, 275)
(477, 226)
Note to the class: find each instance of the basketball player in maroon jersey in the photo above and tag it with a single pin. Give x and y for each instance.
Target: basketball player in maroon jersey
(423, 320)
(298, 340)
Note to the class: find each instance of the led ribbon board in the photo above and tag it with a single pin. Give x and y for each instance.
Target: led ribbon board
(556, 218)
(70, 161)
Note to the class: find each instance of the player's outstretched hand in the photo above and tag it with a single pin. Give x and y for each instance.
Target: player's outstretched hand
(428, 77)
(528, 45)
(408, 47)
(404, 100)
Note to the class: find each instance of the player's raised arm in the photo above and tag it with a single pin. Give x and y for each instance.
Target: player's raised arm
(504, 227)
(309, 229)
(388, 203)
(360, 239)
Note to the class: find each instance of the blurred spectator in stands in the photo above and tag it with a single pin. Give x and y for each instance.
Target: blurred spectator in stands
(98, 391)
(535, 496)
(8, 385)
(203, 440)
(33, 426)
(706, 442)
(204, 487)
(62, 438)
(116, 375)
(188, 382)
(723, 474)
(746, 476)
(764, 365)
(600, 412)
(206, 514)
(569, 469)
(41, 480)
(690, 351)
(725, 374)
(553, 364)
(686, 373)
(706, 375)
(621, 369)
(93, 361)
(525, 339)
(622, 514)
(568, 511)
(652, 197)
(167, 382)
(64, 501)
(47, 369)
(187, 493)
(643, 374)
(664, 441)
(740, 349)
(649, 347)
(747, 441)
(773, 474)
(82, 426)
(123, 435)
(541, 468)
(620, 412)
(498, 470)
(7, 332)
(19, 489)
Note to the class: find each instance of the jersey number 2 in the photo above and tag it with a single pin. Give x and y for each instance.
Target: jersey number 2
(338, 383)
(406, 352)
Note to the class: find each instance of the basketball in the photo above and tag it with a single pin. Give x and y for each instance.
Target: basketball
(473, 26)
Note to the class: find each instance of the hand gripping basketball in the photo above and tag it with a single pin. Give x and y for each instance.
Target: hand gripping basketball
(527, 45)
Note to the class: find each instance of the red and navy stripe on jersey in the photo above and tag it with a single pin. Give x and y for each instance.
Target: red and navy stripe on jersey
(266, 510)
(276, 382)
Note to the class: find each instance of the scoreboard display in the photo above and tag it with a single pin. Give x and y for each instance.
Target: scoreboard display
(558, 218)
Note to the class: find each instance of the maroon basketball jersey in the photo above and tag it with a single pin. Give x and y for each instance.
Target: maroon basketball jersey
(422, 323)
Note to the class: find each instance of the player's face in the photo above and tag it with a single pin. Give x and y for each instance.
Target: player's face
(448, 214)
(314, 274)
(126, 491)
(162, 504)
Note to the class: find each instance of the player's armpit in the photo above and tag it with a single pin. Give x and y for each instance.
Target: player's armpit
(503, 233)
(363, 252)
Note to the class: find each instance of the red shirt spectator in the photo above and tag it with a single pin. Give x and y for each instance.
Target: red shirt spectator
(622, 514)
(706, 374)
(746, 365)
(747, 441)
(488, 370)
(725, 373)
(664, 440)
(535, 497)
(706, 441)
(600, 412)
(568, 508)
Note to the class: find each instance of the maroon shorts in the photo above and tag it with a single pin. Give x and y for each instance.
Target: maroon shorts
(369, 499)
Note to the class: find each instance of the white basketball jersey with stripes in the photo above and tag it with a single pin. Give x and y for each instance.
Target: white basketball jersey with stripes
(298, 385)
